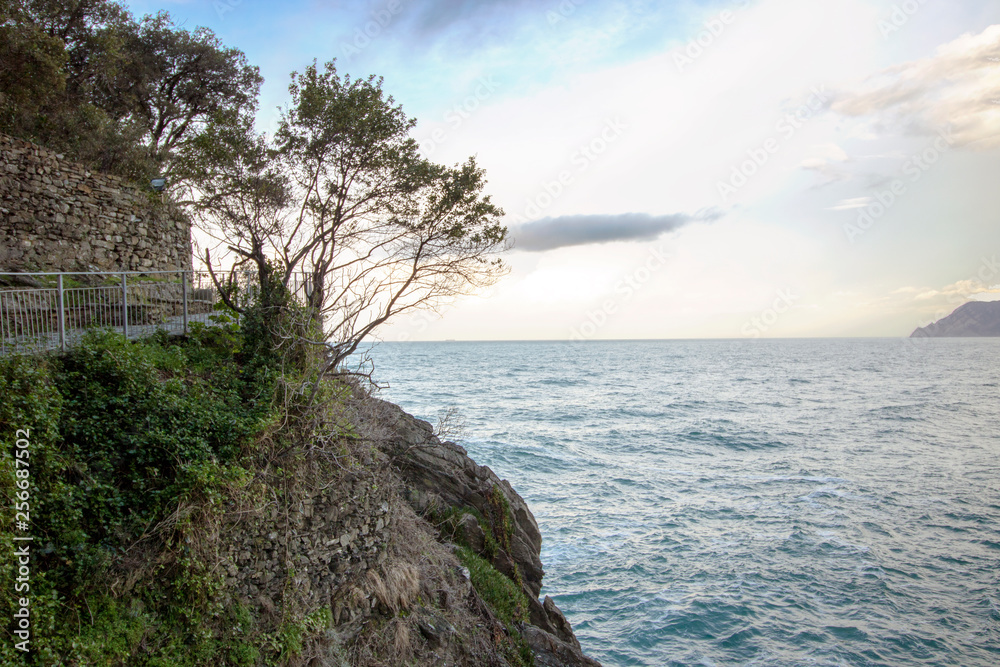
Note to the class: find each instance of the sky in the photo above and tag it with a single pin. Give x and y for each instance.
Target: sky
(684, 169)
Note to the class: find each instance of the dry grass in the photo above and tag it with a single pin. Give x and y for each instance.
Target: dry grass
(398, 588)
(402, 651)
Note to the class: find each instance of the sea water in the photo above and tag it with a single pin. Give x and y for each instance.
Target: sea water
(756, 502)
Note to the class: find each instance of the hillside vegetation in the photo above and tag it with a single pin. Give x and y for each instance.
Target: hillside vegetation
(153, 463)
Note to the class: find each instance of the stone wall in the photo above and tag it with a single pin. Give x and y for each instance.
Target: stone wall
(329, 528)
(56, 215)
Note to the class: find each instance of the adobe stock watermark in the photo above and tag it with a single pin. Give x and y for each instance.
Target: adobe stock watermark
(364, 35)
(756, 326)
(757, 157)
(21, 557)
(900, 16)
(581, 159)
(459, 113)
(562, 11)
(223, 7)
(913, 169)
(700, 43)
(595, 319)
(419, 323)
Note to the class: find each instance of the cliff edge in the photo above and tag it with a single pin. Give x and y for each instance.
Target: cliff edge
(182, 516)
(469, 503)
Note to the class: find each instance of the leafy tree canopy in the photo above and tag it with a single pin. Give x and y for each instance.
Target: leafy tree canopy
(357, 220)
(86, 78)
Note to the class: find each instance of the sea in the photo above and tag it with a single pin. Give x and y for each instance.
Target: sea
(743, 502)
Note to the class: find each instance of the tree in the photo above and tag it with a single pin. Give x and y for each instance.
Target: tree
(242, 191)
(31, 72)
(85, 78)
(91, 33)
(54, 56)
(177, 84)
(351, 213)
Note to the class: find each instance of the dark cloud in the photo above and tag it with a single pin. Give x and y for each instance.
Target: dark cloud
(570, 230)
(432, 20)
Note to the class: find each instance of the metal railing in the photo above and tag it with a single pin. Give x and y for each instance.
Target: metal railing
(52, 310)
(47, 311)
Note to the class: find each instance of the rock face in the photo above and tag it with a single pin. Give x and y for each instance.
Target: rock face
(316, 540)
(56, 215)
(440, 475)
(975, 319)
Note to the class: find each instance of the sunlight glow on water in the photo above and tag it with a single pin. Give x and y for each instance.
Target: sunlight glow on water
(822, 502)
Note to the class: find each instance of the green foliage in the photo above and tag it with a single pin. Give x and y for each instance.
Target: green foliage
(449, 522)
(343, 195)
(504, 596)
(501, 521)
(269, 324)
(507, 600)
(124, 434)
(114, 634)
(288, 640)
(32, 74)
(87, 79)
(180, 80)
(136, 437)
(497, 526)
(31, 403)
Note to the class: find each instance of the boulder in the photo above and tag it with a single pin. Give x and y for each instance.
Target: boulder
(550, 651)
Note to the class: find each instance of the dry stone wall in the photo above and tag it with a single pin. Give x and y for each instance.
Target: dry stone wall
(320, 537)
(56, 215)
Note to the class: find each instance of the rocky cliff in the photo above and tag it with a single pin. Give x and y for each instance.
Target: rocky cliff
(440, 480)
(974, 319)
(187, 522)
(382, 539)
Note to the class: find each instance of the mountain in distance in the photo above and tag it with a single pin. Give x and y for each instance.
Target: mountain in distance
(974, 319)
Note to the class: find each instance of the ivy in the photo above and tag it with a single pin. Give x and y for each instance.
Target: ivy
(122, 433)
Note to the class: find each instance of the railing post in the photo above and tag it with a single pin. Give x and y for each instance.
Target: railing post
(125, 304)
(62, 316)
(184, 290)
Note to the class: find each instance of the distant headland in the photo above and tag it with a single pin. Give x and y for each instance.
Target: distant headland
(974, 319)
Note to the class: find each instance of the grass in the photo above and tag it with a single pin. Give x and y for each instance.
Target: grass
(507, 600)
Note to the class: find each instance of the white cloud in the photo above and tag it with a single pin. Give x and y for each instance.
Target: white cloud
(957, 293)
(958, 87)
(683, 132)
(851, 204)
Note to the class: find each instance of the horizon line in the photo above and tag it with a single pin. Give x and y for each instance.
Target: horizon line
(656, 340)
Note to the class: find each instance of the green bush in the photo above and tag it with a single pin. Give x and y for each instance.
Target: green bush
(134, 425)
(121, 433)
(449, 522)
(507, 600)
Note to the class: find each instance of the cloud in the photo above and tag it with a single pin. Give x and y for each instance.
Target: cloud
(956, 293)
(963, 289)
(432, 18)
(851, 204)
(571, 230)
(958, 87)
